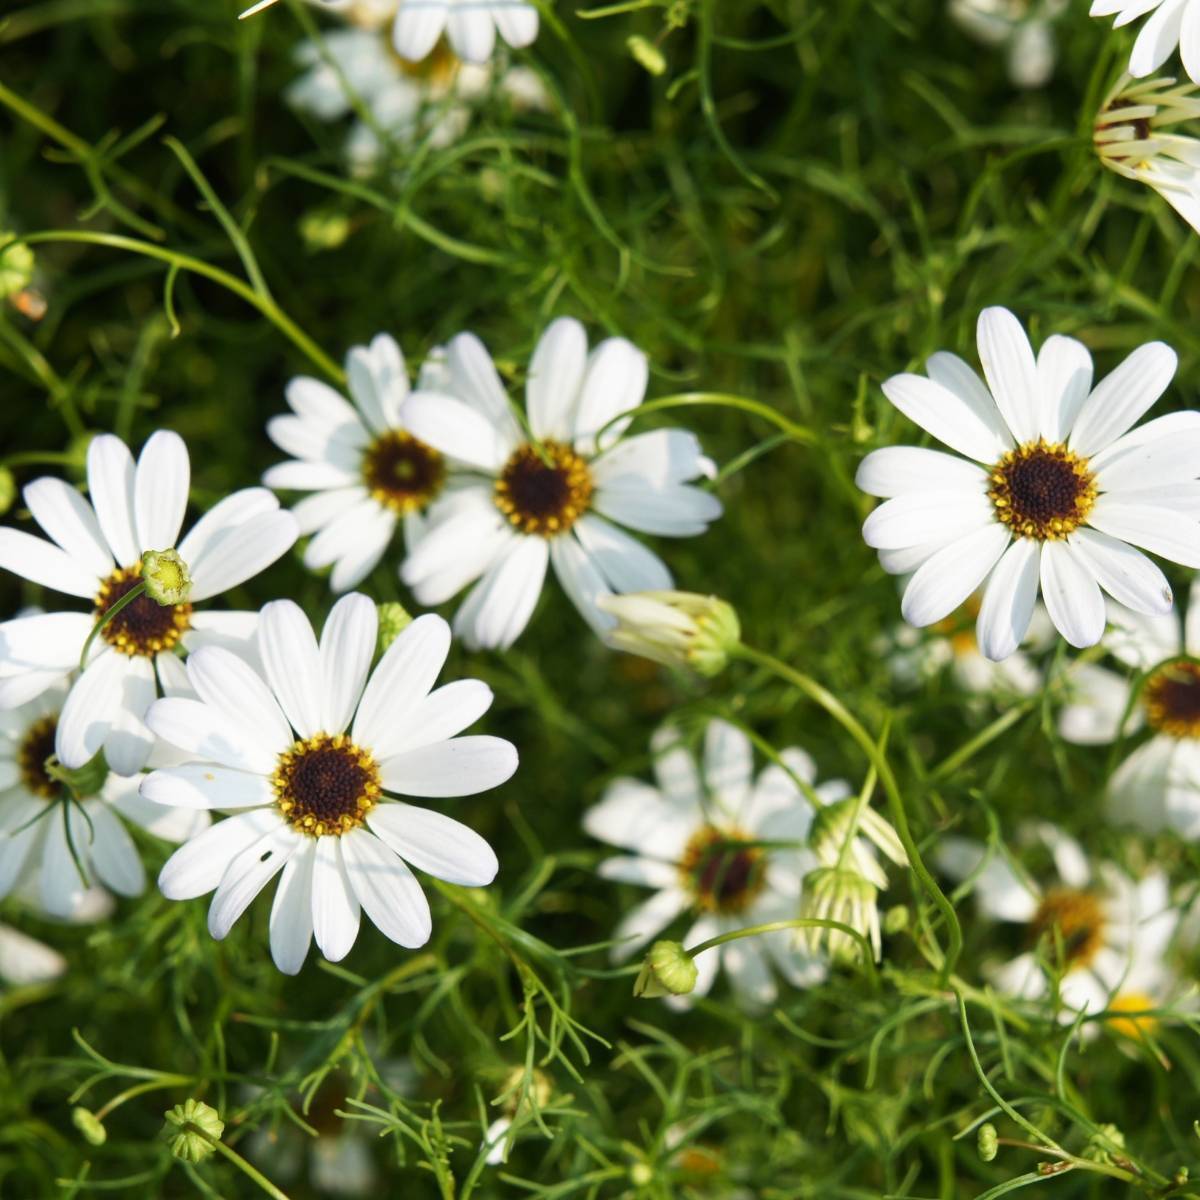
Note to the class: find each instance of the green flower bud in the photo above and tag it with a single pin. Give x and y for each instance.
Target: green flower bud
(324, 229)
(16, 266)
(668, 969)
(90, 1126)
(895, 920)
(987, 1142)
(394, 619)
(166, 576)
(186, 1129)
(641, 1174)
(646, 54)
(1105, 1144)
(8, 490)
(677, 629)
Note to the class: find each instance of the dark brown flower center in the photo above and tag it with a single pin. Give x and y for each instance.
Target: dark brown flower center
(143, 627)
(1075, 920)
(36, 746)
(401, 472)
(1042, 490)
(723, 872)
(544, 493)
(326, 785)
(1172, 699)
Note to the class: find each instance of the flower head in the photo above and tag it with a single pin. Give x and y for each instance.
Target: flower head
(667, 970)
(310, 755)
(1052, 493)
(844, 895)
(191, 1128)
(166, 576)
(678, 629)
(1161, 35)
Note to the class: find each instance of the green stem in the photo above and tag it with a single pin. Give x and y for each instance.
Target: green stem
(716, 400)
(238, 1161)
(835, 709)
(140, 1089)
(127, 599)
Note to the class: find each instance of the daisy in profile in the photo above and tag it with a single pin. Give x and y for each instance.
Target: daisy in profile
(1157, 786)
(1172, 25)
(1103, 934)
(54, 851)
(702, 839)
(470, 26)
(310, 756)
(365, 470)
(1136, 134)
(1024, 29)
(433, 99)
(95, 553)
(555, 495)
(1053, 491)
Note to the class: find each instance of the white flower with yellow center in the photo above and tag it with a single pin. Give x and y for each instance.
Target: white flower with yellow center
(1174, 24)
(1053, 492)
(720, 846)
(1102, 933)
(309, 756)
(365, 470)
(1157, 786)
(470, 26)
(1024, 28)
(96, 553)
(556, 498)
(45, 839)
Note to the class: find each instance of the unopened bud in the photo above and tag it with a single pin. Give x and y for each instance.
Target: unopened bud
(192, 1128)
(987, 1141)
(394, 619)
(90, 1126)
(324, 229)
(678, 629)
(8, 490)
(646, 54)
(16, 266)
(668, 970)
(167, 578)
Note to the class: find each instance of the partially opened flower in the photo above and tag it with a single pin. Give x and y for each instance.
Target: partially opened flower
(1103, 934)
(721, 847)
(1173, 25)
(1135, 136)
(56, 848)
(96, 554)
(470, 26)
(1053, 492)
(310, 757)
(1157, 786)
(556, 496)
(365, 470)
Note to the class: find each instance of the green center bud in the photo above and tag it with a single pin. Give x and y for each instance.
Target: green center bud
(16, 267)
(668, 970)
(167, 578)
(90, 1126)
(394, 619)
(192, 1128)
(677, 629)
(987, 1142)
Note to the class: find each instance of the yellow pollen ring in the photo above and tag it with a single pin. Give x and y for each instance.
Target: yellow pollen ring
(326, 785)
(1134, 1025)
(401, 472)
(1074, 920)
(144, 627)
(1171, 698)
(1042, 490)
(544, 493)
(722, 870)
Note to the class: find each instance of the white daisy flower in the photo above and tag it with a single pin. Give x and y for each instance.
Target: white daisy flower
(1175, 24)
(45, 838)
(309, 756)
(1060, 491)
(703, 839)
(365, 470)
(553, 502)
(1105, 934)
(1134, 136)
(25, 961)
(432, 99)
(96, 555)
(1158, 785)
(469, 25)
(1023, 28)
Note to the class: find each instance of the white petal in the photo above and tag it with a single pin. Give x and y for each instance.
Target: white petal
(1157, 40)
(128, 743)
(461, 766)
(623, 561)
(1064, 370)
(1000, 893)
(417, 29)
(963, 421)
(245, 551)
(517, 24)
(745, 965)
(472, 35)
(220, 522)
(457, 430)
(498, 608)
(403, 678)
(378, 381)
(339, 446)
(435, 843)
(87, 715)
(323, 508)
(1008, 600)
(476, 381)
(198, 865)
(1098, 702)
(41, 562)
(205, 786)
(946, 579)
(308, 476)
(365, 553)
(110, 484)
(1159, 530)
(660, 457)
(387, 890)
(234, 690)
(615, 384)
(897, 470)
(644, 872)
(206, 734)
(113, 853)
(24, 961)
(69, 519)
(637, 817)
(919, 518)
(1072, 595)
(676, 510)
(160, 490)
(47, 641)
(1173, 458)
(247, 874)
(292, 662)
(1189, 40)
(555, 378)
(456, 550)
(347, 647)
(1124, 573)
(1011, 371)
(638, 926)
(291, 910)
(1121, 397)
(170, 824)
(62, 888)
(1185, 422)
(334, 906)
(443, 714)
(318, 403)
(582, 581)
(728, 765)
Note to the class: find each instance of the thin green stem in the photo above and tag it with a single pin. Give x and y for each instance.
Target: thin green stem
(793, 923)
(251, 1172)
(140, 1090)
(127, 599)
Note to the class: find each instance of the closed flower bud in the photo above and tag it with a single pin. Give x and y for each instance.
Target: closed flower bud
(8, 490)
(394, 619)
(987, 1142)
(16, 267)
(192, 1128)
(646, 54)
(1105, 1145)
(843, 895)
(90, 1126)
(324, 229)
(678, 629)
(668, 970)
(167, 578)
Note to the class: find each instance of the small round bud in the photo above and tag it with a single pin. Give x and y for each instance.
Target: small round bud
(641, 1174)
(987, 1142)
(324, 229)
(394, 619)
(8, 490)
(167, 578)
(668, 969)
(1107, 1143)
(191, 1129)
(90, 1126)
(646, 54)
(895, 920)
(16, 266)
